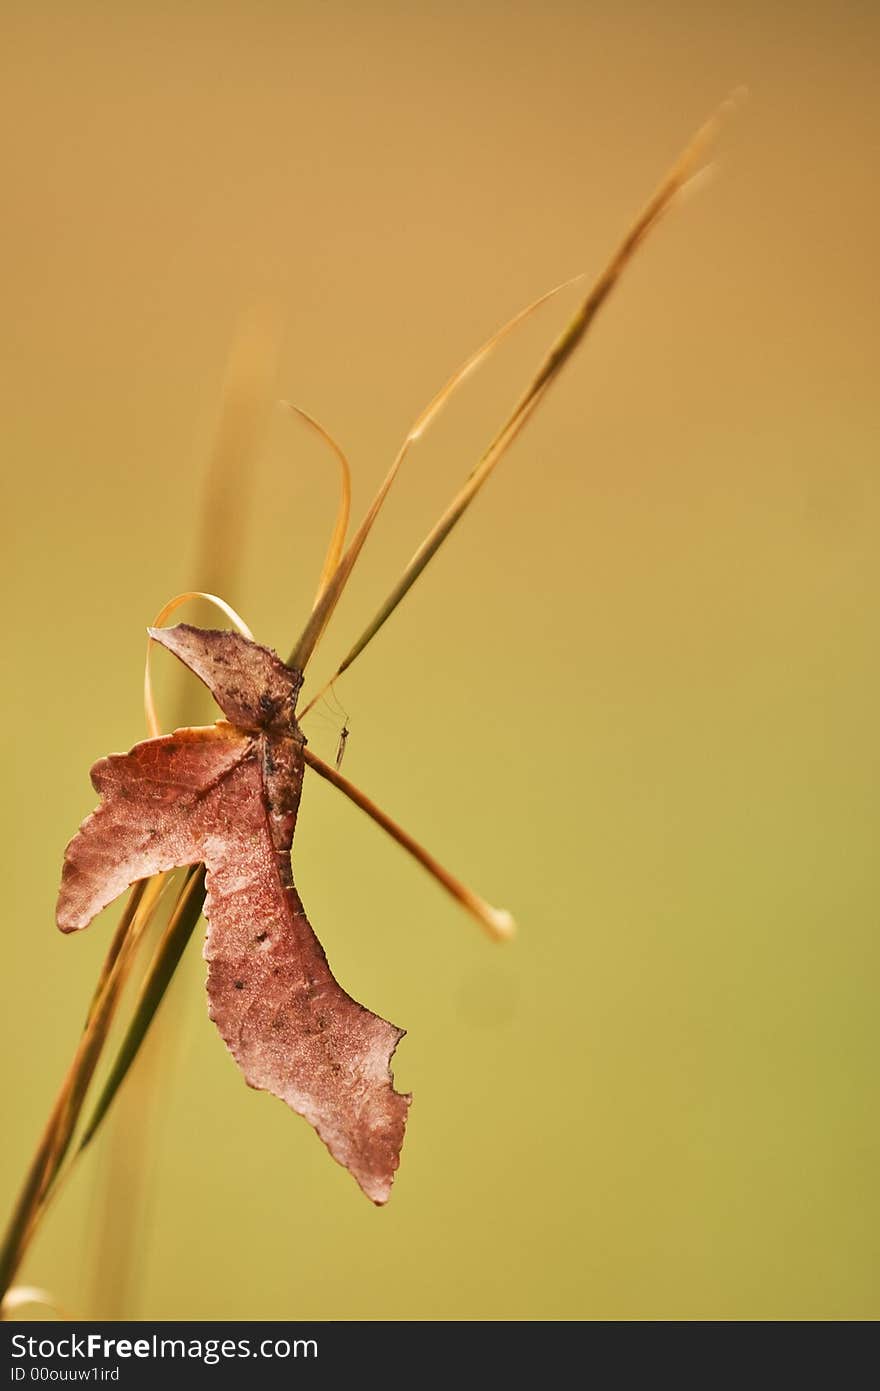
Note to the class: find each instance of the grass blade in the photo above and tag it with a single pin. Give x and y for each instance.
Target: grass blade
(246, 402)
(135, 895)
(58, 1132)
(24, 1296)
(496, 921)
(323, 610)
(560, 353)
(171, 948)
(340, 529)
(152, 719)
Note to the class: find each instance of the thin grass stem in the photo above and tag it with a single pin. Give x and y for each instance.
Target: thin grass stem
(63, 1117)
(497, 922)
(174, 940)
(559, 355)
(323, 610)
(343, 513)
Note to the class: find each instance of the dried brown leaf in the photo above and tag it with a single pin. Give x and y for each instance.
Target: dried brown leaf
(227, 796)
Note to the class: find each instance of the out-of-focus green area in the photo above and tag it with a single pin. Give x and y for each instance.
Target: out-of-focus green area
(635, 700)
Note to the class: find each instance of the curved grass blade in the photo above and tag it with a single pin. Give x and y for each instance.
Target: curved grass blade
(154, 728)
(323, 610)
(29, 1296)
(340, 529)
(562, 350)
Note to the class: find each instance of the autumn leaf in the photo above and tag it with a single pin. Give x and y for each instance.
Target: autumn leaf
(227, 796)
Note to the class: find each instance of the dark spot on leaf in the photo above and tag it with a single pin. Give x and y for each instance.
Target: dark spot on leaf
(239, 985)
(268, 705)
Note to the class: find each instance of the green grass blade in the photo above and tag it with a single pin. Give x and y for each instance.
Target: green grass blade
(165, 962)
(559, 354)
(332, 590)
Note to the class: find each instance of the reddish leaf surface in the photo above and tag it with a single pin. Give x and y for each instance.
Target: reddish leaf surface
(227, 796)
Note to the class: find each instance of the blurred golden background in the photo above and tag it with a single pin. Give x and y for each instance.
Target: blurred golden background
(634, 700)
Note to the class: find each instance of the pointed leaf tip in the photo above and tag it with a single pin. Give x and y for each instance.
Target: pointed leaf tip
(250, 683)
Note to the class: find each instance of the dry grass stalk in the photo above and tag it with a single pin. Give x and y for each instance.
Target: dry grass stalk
(47, 1167)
